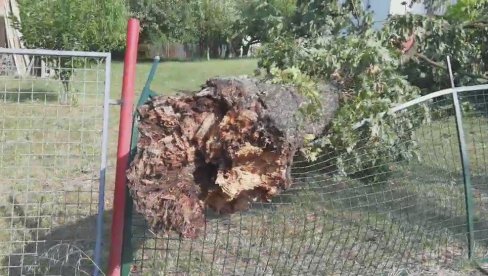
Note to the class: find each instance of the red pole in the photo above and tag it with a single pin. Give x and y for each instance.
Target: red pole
(123, 149)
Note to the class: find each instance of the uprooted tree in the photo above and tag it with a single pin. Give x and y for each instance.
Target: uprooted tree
(228, 145)
(332, 41)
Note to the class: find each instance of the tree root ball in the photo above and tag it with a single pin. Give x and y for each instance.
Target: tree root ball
(229, 145)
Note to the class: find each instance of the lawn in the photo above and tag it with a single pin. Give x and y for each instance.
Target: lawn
(171, 78)
(412, 223)
(49, 161)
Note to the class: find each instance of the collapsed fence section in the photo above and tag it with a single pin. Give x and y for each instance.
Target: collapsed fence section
(53, 139)
(371, 210)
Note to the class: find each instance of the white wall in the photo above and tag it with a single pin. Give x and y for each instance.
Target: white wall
(396, 8)
(382, 8)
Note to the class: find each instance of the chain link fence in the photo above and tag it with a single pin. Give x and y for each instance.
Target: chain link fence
(426, 215)
(53, 127)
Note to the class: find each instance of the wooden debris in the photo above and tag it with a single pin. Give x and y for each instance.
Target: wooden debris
(223, 148)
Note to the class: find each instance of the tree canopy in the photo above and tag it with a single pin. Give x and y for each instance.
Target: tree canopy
(73, 24)
(211, 23)
(377, 69)
(308, 42)
(303, 42)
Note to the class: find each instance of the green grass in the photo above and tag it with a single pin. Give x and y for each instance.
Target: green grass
(412, 221)
(172, 77)
(50, 156)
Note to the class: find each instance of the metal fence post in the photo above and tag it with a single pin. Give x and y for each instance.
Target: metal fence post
(103, 166)
(127, 250)
(64, 160)
(468, 193)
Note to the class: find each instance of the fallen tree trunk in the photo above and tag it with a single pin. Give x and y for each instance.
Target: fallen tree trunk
(230, 144)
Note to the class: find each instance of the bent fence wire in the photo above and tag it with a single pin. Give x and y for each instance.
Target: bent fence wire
(414, 220)
(52, 161)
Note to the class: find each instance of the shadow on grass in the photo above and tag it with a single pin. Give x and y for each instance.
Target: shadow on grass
(416, 196)
(330, 226)
(417, 216)
(192, 59)
(333, 227)
(65, 250)
(28, 95)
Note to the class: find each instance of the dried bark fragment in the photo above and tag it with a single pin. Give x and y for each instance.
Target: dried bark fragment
(228, 145)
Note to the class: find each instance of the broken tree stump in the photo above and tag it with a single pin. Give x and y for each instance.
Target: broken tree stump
(228, 145)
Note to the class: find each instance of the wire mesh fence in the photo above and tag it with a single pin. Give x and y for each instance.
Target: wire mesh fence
(52, 162)
(411, 216)
(476, 133)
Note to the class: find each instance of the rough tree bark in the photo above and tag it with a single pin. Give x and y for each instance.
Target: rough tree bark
(228, 145)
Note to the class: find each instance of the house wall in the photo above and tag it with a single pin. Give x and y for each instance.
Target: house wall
(383, 8)
(396, 8)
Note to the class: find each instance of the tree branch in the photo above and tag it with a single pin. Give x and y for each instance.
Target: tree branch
(430, 61)
(442, 66)
(254, 41)
(476, 25)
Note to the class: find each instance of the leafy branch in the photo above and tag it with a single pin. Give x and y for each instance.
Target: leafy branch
(443, 66)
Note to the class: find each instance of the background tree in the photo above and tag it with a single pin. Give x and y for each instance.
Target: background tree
(256, 19)
(214, 25)
(164, 21)
(215, 21)
(461, 33)
(72, 25)
(472, 10)
(208, 23)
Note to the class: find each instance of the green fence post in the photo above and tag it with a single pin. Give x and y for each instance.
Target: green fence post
(468, 192)
(127, 250)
